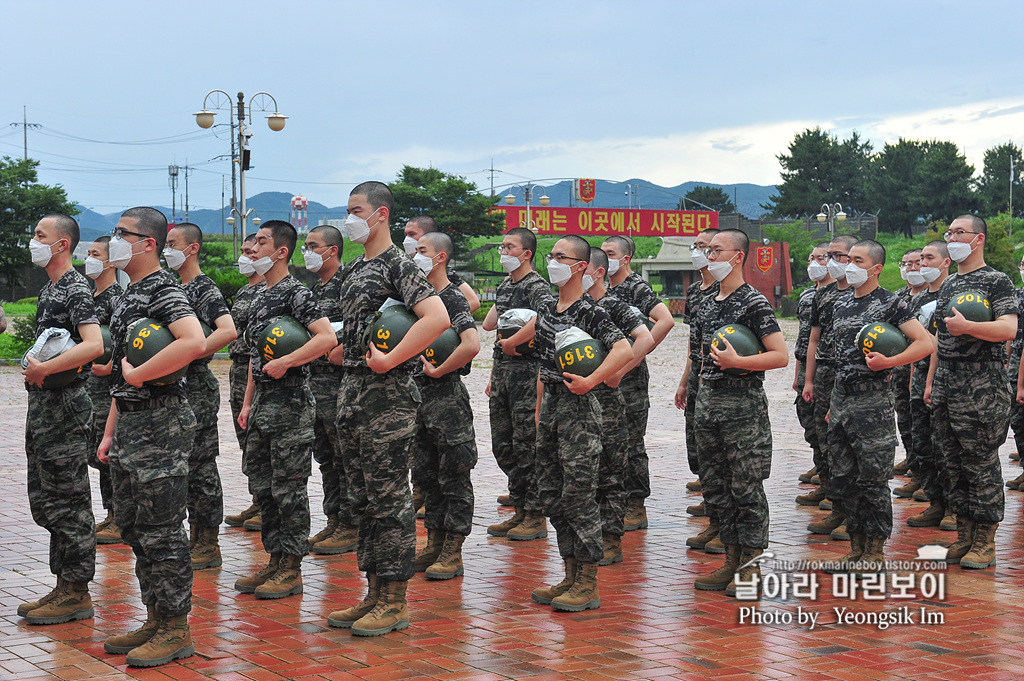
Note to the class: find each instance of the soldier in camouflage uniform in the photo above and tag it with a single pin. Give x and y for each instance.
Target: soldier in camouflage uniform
(1013, 370)
(611, 485)
(969, 395)
(569, 429)
(57, 428)
(424, 224)
(322, 254)
(899, 377)
(631, 288)
(862, 433)
(512, 388)
(238, 373)
(734, 437)
(278, 415)
(97, 383)
(445, 449)
(378, 401)
(205, 493)
(148, 438)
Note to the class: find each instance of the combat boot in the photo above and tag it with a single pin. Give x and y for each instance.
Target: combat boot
(981, 555)
(345, 618)
(948, 523)
(427, 556)
(1014, 456)
(534, 526)
(901, 468)
(809, 475)
(698, 510)
(694, 486)
(920, 495)
(389, 614)
(825, 526)
(1016, 483)
(253, 524)
(702, 539)
(825, 504)
(342, 540)
(873, 558)
(71, 603)
(504, 500)
(612, 549)
(109, 533)
(715, 546)
(247, 585)
(748, 571)
(858, 542)
(906, 491)
(206, 551)
(929, 517)
(582, 595)
(720, 578)
(501, 529)
(26, 608)
(544, 595)
(449, 563)
(285, 582)
(119, 645)
(964, 540)
(332, 525)
(172, 641)
(636, 516)
(419, 499)
(812, 498)
(239, 519)
(840, 533)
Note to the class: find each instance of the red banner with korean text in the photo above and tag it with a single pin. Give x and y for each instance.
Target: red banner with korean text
(553, 221)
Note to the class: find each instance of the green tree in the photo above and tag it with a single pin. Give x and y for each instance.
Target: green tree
(23, 202)
(216, 261)
(801, 242)
(994, 185)
(894, 178)
(460, 211)
(714, 198)
(945, 187)
(998, 247)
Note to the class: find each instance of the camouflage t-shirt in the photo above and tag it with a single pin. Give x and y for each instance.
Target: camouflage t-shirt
(157, 296)
(65, 304)
(694, 297)
(288, 297)
(1002, 300)
(747, 306)
(916, 304)
(804, 305)
(461, 320)
(208, 303)
(585, 315)
(366, 284)
(622, 313)
(1018, 341)
(637, 292)
(238, 349)
(328, 297)
(106, 301)
(821, 316)
(849, 317)
(528, 293)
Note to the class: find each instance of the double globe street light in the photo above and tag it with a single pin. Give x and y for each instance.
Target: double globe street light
(831, 213)
(528, 189)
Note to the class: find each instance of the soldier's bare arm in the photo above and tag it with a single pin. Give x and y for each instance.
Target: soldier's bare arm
(663, 323)
(471, 297)
(223, 333)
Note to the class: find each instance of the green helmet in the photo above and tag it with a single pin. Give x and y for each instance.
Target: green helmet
(387, 327)
(973, 305)
(144, 339)
(579, 353)
(108, 346)
(523, 348)
(742, 340)
(52, 342)
(441, 349)
(280, 337)
(883, 338)
(206, 333)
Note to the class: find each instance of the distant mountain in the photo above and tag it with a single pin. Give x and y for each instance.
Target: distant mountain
(91, 224)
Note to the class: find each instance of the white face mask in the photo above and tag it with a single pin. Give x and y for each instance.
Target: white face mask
(93, 267)
(410, 245)
(588, 281)
(510, 263)
(175, 259)
(699, 258)
(245, 266)
(856, 275)
(120, 252)
(613, 266)
(960, 251)
(425, 263)
(313, 260)
(558, 273)
(915, 279)
(720, 270)
(836, 269)
(359, 229)
(930, 274)
(903, 273)
(263, 265)
(816, 271)
(41, 253)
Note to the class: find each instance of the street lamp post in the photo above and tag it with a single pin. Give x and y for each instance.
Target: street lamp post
(276, 121)
(831, 213)
(528, 189)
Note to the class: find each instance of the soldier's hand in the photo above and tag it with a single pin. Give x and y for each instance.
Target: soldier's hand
(725, 358)
(487, 390)
(276, 368)
(508, 348)
(808, 393)
(335, 356)
(928, 394)
(876, 361)
(35, 373)
(614, 381)
(103, 451)
(796, 388)
(428, 368)
(102, 369)
(243, 416)
(827, 414)
(681, 395)
(1020, 395)
(957, 325)
(128, 373)
(579, 385)
(377, 360)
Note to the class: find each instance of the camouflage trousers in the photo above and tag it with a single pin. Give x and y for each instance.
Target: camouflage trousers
(278, 453)
(512, 406)
(734, 442)
(899, 382)
(376, 426)
(149, 468)
(862, 442)
(324, 382)
(568, 460)
(1016, 410)
(690, 418)
(98, 388)
(238, 377)
(805, 414)
(611, 489)
(445, 454)
(971, 414)
(924, 456)
(638, 405)
(57, 451)
(205, 494)
(824, 383)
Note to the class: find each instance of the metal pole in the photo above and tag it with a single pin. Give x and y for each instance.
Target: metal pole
(186, 190)
(222, 208)
(24, 128)
(234, 192)
(241, 160)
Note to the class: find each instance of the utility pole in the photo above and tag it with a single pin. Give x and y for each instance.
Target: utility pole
(222, 179)
(186, 189)
(172, 180)
(234, 195)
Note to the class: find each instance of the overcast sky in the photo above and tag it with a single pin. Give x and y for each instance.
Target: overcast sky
(665, 91)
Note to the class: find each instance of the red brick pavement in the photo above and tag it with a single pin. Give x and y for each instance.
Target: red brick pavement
(652, 623)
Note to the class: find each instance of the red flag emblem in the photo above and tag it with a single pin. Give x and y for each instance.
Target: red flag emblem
(764, 258)
(588, 190)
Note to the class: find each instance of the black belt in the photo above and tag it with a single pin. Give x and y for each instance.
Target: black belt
(332, 369)
(146, 405)
(283, 382)
(861, 387)
(976, 366)
(730, 382)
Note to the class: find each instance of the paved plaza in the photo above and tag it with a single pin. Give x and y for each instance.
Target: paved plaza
(652, 623)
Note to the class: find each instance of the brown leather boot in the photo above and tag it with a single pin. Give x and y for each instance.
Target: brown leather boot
(694, 486)
(110, 533)
(920, 495)
(172, 641)
(72, 603)
(238, 519)
(612, 549)
(253, 524)
(948, 523)
(825, 526)
(332, 525)
(449, 562)
(534, 526)
(702, 539)
(636, 516)
(1016, 482)
(840, 533)
(720, 578)
(715, 547)
(247, 585)
(907, 491)
(206, 551)
(873, 558)
(427, 556)
(809, 475)
(748, 571)
(119, 645)
(501, 529)
(544, 595)
(285, 582)
(858, 542)
(345, 538)
(981, 555)
(963, 542)
(582, 595)
(389, 614)
(345, 618)
(901, 468)
(26, 608)
(504, 500)
(698, 510)
(814, 497)
(929, 517)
